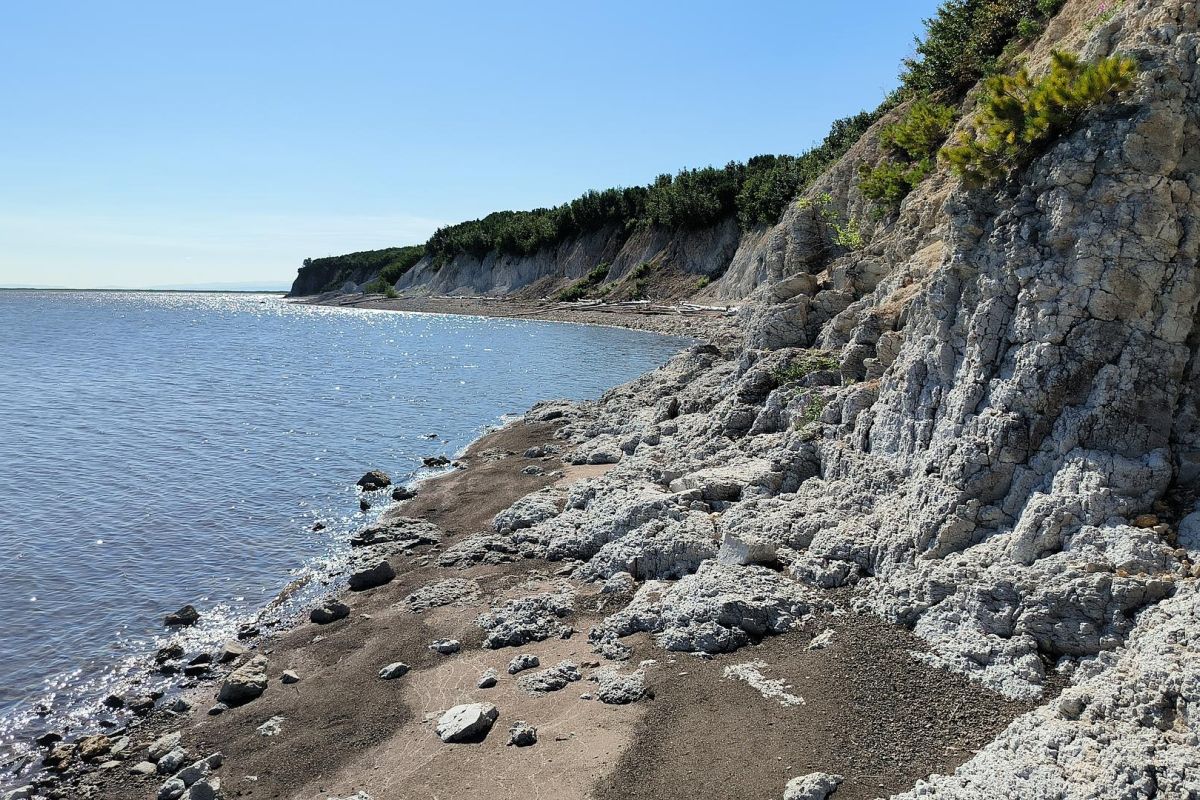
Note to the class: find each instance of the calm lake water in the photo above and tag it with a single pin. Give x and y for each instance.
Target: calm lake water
(162, 448)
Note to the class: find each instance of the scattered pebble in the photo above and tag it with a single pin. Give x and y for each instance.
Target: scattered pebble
(522, 734)
(446, 646)
(394, 670)
(272, 727)
(523, 662)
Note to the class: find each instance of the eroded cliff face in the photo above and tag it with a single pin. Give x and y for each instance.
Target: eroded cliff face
(996, 444)
(702, 252)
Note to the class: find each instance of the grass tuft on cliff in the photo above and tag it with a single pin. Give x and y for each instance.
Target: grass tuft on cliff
(580, 288)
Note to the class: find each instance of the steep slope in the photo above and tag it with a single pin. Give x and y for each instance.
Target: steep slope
(701, 253)
(995, 443)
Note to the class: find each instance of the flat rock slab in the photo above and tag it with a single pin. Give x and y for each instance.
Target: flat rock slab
(466, 723)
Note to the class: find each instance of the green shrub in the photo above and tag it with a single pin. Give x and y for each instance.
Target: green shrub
(640, 271)
(891, 181)
(580, 288)
(912, 145)
(401, 261)
(702, 282)
(846, 233)
(808, 363)
(380, 286)
(639, 280)
(1018, 115)
(1028, 28)
(815, 409)
(771, 182)
(920, 132)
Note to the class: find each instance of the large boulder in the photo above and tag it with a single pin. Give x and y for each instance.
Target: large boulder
(618, 689)
(188, 615)
(329, 612)
(466, 723)
(372, 577)
(522, 734)
(245, 683)
(742, 549)
(163, 745)
(394, 670)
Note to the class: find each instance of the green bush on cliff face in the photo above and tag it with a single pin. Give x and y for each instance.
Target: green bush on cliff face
(380, 286)
(846, 233)
(912, 145)
(401, 261)
(580, 288)
(806, 364)
(1019, 115)
(964, 39)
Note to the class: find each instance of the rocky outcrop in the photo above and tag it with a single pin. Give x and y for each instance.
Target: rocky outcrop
(526, 619)
(716, 610)
(1123, 730)
(987, 421)
(552, 679)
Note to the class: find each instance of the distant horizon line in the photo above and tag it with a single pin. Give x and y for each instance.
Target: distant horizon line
(160, 289)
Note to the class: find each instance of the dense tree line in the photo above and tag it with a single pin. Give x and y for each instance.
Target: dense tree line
(965, 40)
(756, 192)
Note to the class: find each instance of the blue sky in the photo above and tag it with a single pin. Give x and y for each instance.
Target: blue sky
(156, 143)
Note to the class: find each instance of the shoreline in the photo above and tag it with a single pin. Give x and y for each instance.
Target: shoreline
(276, 619)
(279, 617)
(671, 320)
(340, 729)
